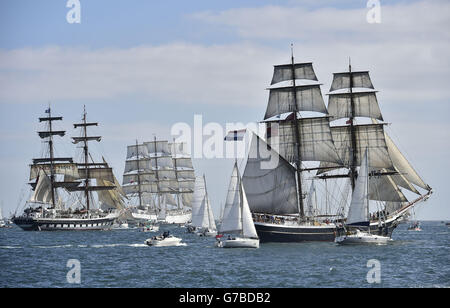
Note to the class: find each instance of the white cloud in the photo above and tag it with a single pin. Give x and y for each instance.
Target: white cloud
(181, 72)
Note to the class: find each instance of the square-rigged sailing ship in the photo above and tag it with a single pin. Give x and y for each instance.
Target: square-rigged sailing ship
(282, 211)
(62, 190)
(159, 181)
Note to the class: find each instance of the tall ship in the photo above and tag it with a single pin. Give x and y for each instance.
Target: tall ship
(70, 195)
(319, 146)
(159, 181)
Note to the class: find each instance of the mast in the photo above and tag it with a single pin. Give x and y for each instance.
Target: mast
(353, 174)
(297, 143)
(86, 160)
(49, 134)
(138, 175)
(157, 177)
(241, 198)
(50, 145)
(206, 199)
(91, 170)
(174, 155)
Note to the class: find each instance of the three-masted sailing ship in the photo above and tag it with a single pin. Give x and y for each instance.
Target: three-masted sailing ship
(62, 189)
(283, 210)
(159, 181)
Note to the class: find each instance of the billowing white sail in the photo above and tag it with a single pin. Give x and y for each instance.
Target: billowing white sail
(403, 166)
(269, 180)
(197, 200)
(316, 141)
(237, 217)
(211, 221)
(232, 219)
(43, 191)
(359, 206)
(139, 151)
(384, 188)
(308, 98)
(68, 169)
(248, 227)
(369, 136)
(365, 105)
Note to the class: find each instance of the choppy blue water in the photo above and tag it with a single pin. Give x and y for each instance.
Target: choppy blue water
(121, 259)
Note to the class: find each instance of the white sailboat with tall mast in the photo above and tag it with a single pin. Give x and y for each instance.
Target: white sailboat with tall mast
(202, 215)
(357, 224)
(62, 190)
(237, 219)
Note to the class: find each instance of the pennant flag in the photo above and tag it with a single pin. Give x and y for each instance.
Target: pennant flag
(235, 135)
(47, 110)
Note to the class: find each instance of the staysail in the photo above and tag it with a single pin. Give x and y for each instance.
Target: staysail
(269, 180)
(359, 206)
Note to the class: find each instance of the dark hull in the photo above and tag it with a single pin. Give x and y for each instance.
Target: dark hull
(279, 233)
(61, 224)
(283, 234)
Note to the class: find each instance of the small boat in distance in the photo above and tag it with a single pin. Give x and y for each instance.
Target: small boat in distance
(414, 226)
(150, 228)
(163, 240)
(237, 218)
(358, 214)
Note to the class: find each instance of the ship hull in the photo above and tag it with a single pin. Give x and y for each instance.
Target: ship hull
(64, 224)
(268, 232)
(279, 233)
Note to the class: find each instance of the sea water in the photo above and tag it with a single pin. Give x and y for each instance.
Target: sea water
(119, 258)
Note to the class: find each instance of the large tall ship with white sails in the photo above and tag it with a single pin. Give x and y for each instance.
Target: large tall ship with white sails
(312, 151)
(62, 196)
(159, 181)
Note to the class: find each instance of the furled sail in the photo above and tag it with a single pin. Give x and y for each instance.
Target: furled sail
(359, 80)
(269, 180)
(316, 142)
(301, 70)
(282, 100)
(365, 105)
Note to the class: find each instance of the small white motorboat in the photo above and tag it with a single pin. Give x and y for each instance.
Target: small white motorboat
(163, 240)
(237, 242)
(360, 237)
(207, 233)
(150, 228)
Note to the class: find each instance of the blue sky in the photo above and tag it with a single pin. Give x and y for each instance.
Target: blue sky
(141, 66)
